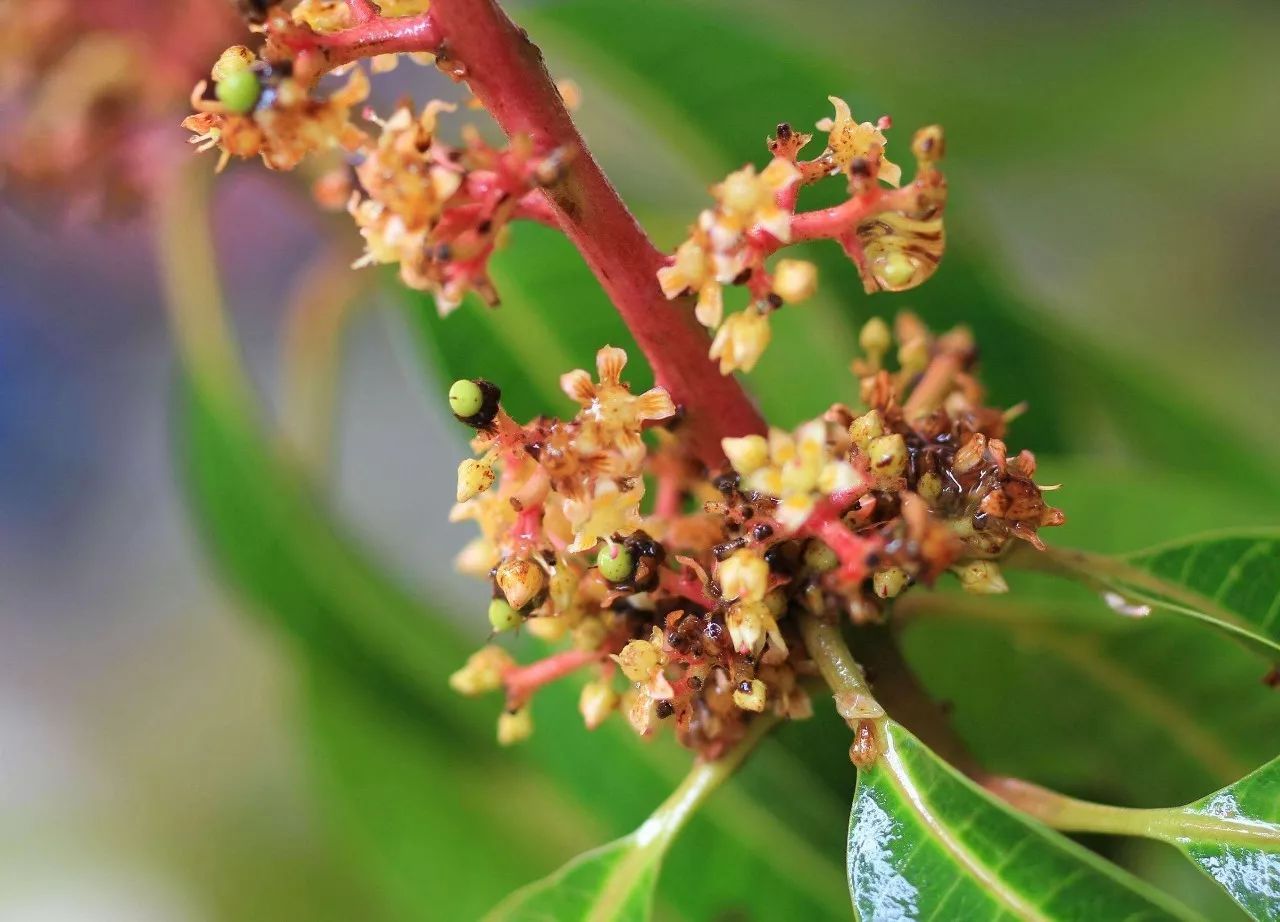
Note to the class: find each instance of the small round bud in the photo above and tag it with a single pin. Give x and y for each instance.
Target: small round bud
(615, 562)
(639, 660)
(889, 582)
(465, 398)
(750, 696)
(747, 454)
(520, 580)
(238, 90)
(482, 672)
(548, 627)
(795, 280)
(868, 426)
(930, 488)
(896, 270)
(888, 455)
(981, 576)
(514, 727)
(875, 339)
(502, 617)
(819, 557)
(597, 701)
(589, 634)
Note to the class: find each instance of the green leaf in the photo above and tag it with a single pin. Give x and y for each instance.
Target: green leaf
(1227, 580)
(926, 843)
(617, 881)
(1234, 837)
(613, 882)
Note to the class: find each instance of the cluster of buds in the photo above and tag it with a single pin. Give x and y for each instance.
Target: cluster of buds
(893, 235)
(693, 598)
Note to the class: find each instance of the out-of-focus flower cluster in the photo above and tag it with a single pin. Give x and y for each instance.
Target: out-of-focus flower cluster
(693, 597)
(87, 88)
(894, 235)
(438, 210)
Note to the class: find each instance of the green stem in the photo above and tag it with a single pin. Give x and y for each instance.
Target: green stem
(193, 294)
(658, 830)
(322, 305)
(843, 675)
(1168, 824)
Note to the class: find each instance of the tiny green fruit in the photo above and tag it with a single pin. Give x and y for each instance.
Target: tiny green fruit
(239, 90)
(465, 398)
(615, 563)
(897, 270)
(502, 617)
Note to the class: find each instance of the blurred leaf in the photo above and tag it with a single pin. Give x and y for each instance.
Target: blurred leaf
(1234, 837)
(1229, 581)
(926, 843)
(613, 882)
(426, 814)
(725, 81)
(616, 881)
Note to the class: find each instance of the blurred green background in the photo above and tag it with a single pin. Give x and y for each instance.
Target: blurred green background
(1113, 215)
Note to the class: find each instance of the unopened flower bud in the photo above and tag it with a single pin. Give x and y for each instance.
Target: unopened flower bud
(929, 486)
(746, 622)
(970, 455)
(548, 627)
(875, 339)
(868, 426)
(745, 575)
(520, 580)
(981, 576)
(795, 280)
(589, 634)
(888, 455)
(482, 673)
(747, 454)
(750, 696)
(474, 477)
(502, 617)
(819, 557)
(639, 660)
(890, 581)
(514, 726)
(597, 701)
(233, 60)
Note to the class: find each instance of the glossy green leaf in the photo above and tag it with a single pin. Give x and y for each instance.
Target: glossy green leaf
(926, 843)
(1234, 837)
(1229, 581)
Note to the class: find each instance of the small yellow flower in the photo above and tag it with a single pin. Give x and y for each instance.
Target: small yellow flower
(744, 575)
(741, 340)
(514, 726)
(849, 139)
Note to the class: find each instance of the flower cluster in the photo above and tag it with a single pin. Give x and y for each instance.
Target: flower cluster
(693, 597)
(259, 107)
(894, 235)
(437, 210)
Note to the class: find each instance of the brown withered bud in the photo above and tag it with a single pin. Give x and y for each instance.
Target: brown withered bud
(865, 750)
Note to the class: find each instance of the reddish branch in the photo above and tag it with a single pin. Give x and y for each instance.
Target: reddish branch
(474, 39)
(522, 681)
